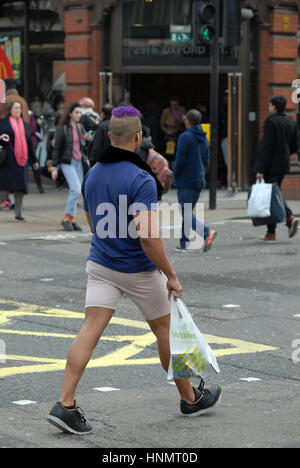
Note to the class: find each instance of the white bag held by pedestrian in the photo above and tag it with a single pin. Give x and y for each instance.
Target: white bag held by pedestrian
(191, 355)
(259, 203)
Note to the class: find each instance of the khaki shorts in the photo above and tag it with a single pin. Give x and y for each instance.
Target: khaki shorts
(148, 290)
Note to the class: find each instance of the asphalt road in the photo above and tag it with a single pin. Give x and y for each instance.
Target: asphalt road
(243, 295)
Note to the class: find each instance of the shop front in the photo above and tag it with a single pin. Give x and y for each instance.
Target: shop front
(142, 51)
(153, 59)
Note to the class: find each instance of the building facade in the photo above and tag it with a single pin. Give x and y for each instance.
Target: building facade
(142, 51)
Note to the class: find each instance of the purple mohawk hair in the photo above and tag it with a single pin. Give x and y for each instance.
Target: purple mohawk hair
(126, 111)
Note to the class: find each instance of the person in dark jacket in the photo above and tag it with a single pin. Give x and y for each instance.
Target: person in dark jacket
(19, 150)
(192, 157)
(68, 154)
(280, 140)
(101, 139)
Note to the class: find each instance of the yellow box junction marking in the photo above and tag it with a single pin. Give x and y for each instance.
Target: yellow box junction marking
(123, 356)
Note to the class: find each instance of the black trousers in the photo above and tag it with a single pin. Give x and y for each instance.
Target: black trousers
(277, 180)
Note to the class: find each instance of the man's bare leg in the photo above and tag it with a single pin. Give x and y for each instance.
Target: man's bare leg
(96, 320)
(160, 328)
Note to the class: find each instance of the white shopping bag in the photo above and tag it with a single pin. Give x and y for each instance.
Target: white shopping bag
(259, 203)
(191, 355)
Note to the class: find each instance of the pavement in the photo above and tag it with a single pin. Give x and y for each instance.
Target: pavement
(43, 212)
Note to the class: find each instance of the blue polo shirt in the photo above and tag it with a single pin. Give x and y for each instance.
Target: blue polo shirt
(112, 192)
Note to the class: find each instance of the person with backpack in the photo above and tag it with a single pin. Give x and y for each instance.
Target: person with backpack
(68, 154)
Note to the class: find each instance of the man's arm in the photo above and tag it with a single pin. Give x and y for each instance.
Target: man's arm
(181, 156)
(88, 216)
(267, 148)
(97, 146)
(154, 248)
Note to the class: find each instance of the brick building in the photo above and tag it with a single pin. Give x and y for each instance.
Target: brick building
(122, 49)
(95, 43)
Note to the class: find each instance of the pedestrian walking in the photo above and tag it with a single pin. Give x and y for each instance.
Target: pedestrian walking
(279, 141)
(68, 155)
(12, 95)
(19, 151)
(90, 119)
(101, 140)
(192, 158)
(35, 142)
(124, 264)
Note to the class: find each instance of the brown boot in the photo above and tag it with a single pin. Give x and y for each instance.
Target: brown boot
(268, 238)
(292, 224)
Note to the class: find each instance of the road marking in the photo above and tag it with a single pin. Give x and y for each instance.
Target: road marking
(129, 346)
(24, 402)
(106, 389)
(231, 306)
(250, 379)
(65, 236)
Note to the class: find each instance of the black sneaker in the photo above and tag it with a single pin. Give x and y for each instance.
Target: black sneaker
(76, 227)
(69, 420)
(67, 225)
(206, 399)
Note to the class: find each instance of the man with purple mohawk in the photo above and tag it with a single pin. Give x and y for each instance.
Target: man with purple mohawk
(127, 256)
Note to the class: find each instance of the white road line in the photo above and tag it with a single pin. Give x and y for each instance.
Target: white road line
(24, 402)
(106, 389)
(250, 379)
(231, 306)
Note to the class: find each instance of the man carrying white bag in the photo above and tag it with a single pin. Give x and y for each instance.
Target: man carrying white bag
(259, 203)
(191, 356)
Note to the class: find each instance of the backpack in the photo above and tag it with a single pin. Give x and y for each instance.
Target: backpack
(160, 167)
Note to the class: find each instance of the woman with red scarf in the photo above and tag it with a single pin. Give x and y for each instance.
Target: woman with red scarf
(19, 148)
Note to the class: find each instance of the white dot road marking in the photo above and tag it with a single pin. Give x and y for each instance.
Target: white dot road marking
(24, 402)
(106, 389)
(231, 306)
(47, 279)
(297, 315)
(250, 379)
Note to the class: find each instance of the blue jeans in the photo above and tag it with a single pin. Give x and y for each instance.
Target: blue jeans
(74, 176)
(188, 199)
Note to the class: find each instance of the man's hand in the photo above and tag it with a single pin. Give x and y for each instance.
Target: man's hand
(259, 176)
(174, 288)
(54, 173)
(35, 166)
